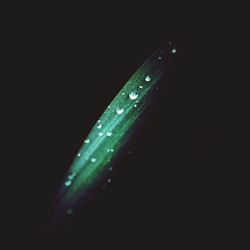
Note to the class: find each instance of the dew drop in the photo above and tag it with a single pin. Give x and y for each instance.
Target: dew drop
(123, 93)
(67, 183)
(100, 134)
(71, 177)
(78, 155)
(109, 106)
(99, 125)
(109, 133)
(93, 159)
(159, 57)
(147, 78)
(111, 150)
(109, 180)
(86, 141)
(173, 51)
(110, 169)
(133, 95)
(135, 105)
(108, 150)
(119, 111)
(140, 86)
(70, 211)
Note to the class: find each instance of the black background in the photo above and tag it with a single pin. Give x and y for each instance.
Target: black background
(62, 63)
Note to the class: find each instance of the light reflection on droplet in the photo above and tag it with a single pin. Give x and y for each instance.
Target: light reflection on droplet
(109, 133)
(78, 154)
(67, 183)
(93, 159)
(100, 134)
(140, 86)
(173, 51)
(119, 111)
(147, 78)
(86, 141)
(133, 95)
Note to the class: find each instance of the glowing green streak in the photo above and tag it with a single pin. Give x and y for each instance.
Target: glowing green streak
(114, 128)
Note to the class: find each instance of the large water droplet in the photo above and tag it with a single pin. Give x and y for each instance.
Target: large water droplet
(147, 78)
(119, 111)
(133, 95)
(93, 159)
(67, 183)
(109, 133)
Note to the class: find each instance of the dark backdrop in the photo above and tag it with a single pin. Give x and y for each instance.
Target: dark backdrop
(179, 187)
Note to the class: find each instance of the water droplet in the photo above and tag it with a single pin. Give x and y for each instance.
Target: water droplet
(100, 134)
(135, 105)
(109, 106)
(140, 86)
(78, 154)
(109, 133)
(111, 150)
(109, 180)
(123, 93)
(133, 95)
(67, 183)
(93, 159)
(99, 125)
(147, 78)
(159, 57)
(70, 211)
(173, 51)
(71, 177)
(119, 111)
(86, 141)
(110, 169)
(108, 150)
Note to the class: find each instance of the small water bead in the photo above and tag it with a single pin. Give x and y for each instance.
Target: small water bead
(109, 133)
(173, 51)
(78, 155)
(67, 183)
(71, 177)
(147, 78)
(108, 150)
(100, 134)
(133, 95)
(70, 211)
(93, 159)
(110, 169)
(119, 111)
(109, 180)
(135, 105)
(86, 141)
(99, 125)
(111, 150)
(159, 57)
(109, 106)
(123, 93)
(140, 86)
